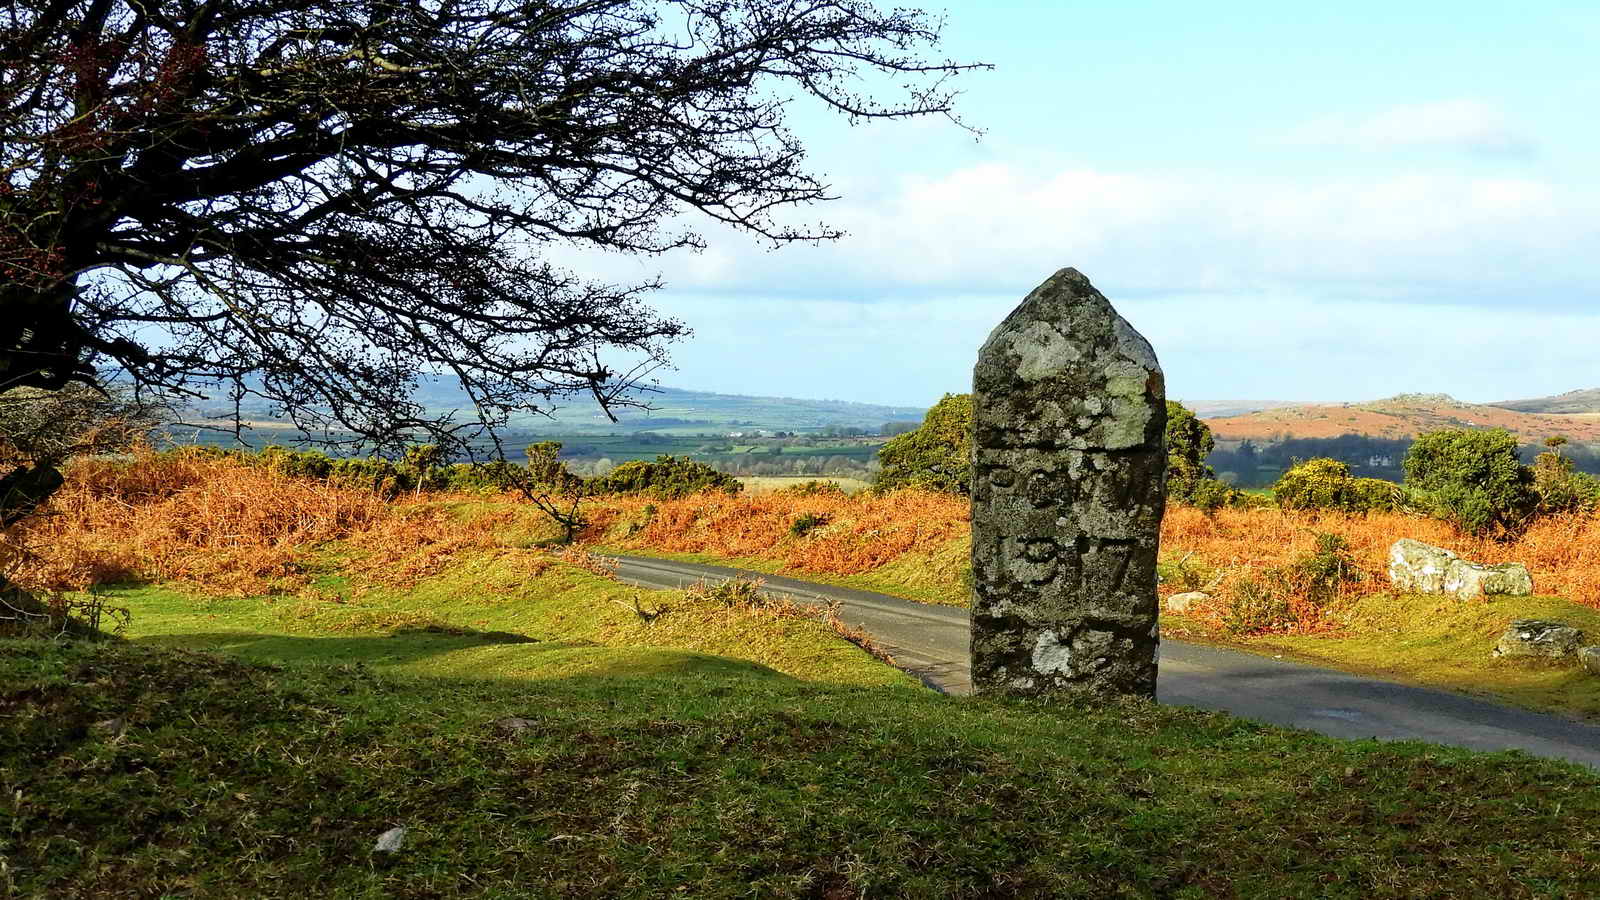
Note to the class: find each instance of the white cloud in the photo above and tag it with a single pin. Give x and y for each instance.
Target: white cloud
(1212, 347)
(997, 228)
(1467, 125)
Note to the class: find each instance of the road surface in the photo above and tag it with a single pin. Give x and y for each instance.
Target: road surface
(931, 643)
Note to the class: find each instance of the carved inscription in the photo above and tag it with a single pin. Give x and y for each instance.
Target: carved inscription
(1069, 412)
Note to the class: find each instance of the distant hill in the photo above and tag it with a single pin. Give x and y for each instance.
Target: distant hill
(1570, 403)
(673, 409)
(677, 408)
(1402, 416)
(1207, 409)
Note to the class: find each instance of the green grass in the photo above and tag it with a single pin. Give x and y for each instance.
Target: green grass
(492, 615)
(241, 779)
(922, 577)
(1445, 642)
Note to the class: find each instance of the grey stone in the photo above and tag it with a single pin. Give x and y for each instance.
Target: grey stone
(1537, 637)
(111, 727)
(391, 841)
(1069, 414)
(1182, 603)
(1590, 658)
(1418, 568)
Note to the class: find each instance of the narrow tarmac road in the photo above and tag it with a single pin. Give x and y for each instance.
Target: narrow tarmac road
(931, 643)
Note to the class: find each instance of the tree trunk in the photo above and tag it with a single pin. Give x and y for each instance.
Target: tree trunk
(25, 489)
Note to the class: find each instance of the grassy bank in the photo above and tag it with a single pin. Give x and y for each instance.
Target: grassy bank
(1434, 641)
(138, 771)
(492, 615)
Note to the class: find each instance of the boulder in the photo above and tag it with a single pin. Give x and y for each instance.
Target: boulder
(1590, 657)
(1418, 568)
(1538, 637)
(1182, 603)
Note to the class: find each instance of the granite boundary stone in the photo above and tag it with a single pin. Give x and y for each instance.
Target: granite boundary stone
(1069, 420)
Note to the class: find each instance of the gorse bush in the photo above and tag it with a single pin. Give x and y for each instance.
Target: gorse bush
(1326, 484)
(936, 456)
(1257, 604)
(1190, 481)
(1323, 574)
(804, 522)
(421, 468)
(1472, 479)
(1560, 488)
(668, 477)
(1208, 495)
(1189, 442)
(813, 488)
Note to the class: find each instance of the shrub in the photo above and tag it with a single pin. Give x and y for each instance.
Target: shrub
(1560, 489)
(805, 522)
(1327, 484)
(484, 477)
(1472, 479)
(1321, 575)
(668, 477)
(1257, 604)
(936, 456)
(1209, 495)
(1189, 442)
(813, 488)
(1189, 480)
(1295, 593)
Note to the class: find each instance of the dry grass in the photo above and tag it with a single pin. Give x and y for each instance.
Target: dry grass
(180, 517)
(230, 528)
(223, 526)
(856, 533)
(867, 532)
(1562, 553)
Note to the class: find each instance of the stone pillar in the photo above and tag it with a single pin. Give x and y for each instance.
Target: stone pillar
(1069, 413)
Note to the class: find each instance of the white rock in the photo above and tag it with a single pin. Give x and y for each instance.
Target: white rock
(1418, 568)
(390, 841)
(1182, 603)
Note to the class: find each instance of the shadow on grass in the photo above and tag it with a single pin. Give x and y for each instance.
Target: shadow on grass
(444, 653)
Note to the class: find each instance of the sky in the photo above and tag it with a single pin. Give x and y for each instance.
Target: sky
(1292, 203)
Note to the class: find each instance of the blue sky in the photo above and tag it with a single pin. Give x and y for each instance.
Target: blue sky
(1291, 203)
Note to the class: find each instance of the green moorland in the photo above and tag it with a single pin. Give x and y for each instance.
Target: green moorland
(535, 737)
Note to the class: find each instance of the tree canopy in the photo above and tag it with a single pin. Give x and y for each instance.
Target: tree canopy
(314, 204)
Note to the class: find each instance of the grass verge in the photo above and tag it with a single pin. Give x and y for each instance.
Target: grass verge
(511, 613)
(139, 771)
(921, 577)
(1440, 642)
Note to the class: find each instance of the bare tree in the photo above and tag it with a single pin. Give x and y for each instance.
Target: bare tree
(40, 429)
(311, 205)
